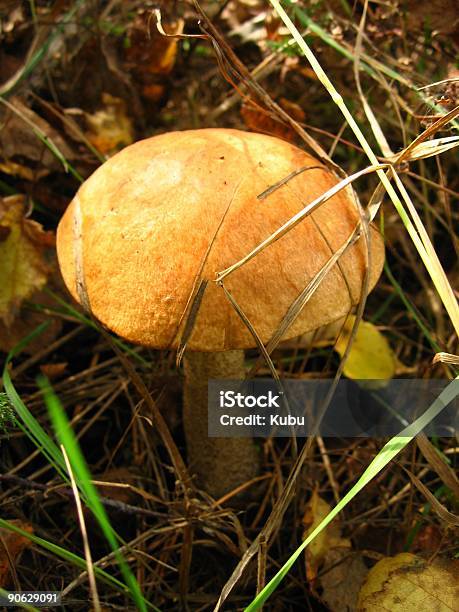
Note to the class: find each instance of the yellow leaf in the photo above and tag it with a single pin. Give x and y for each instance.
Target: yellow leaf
(29, 174)
(371, 357)
(22, 265)
(407, 583)
(110, 128)
(329, 538)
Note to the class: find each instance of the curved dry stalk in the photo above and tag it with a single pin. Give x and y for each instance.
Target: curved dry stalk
(302, 214)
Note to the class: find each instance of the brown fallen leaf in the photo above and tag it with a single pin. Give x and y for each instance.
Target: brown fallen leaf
(26, 320)
(11, 546)
(110, 128)
(293, 109)
(407, 583)
(258, 119)
(150, 55)
(148, 50)
(23, 267)
(331, 564)
(18, 142)
(341, 579)
(53, 370)
(427, 540)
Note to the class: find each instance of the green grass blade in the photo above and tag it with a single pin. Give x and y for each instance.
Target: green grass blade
(26, 420)
(83, 478)
(52, 453)
(65, 555)
(382, 459)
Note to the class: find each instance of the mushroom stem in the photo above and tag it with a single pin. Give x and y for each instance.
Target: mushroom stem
(220, 464)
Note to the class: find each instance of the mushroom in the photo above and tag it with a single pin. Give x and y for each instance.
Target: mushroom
(170, 211)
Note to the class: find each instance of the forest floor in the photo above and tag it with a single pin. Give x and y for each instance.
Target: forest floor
(78, 82)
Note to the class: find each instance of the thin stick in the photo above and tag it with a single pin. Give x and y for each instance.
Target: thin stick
(327, 465)
(261, 573)
(84, 534)
(298, 217)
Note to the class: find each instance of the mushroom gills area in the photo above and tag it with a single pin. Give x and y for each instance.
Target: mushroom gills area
(219, 464)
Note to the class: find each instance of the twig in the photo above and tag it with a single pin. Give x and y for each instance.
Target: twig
(67, 492)
(84, 534)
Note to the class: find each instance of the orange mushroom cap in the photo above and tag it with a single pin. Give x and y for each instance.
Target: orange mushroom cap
(171, 210)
